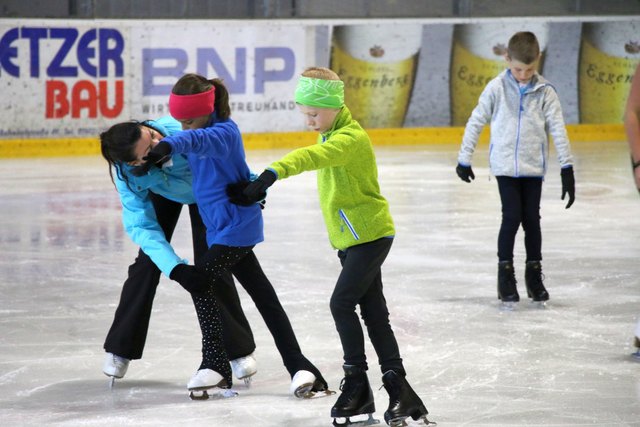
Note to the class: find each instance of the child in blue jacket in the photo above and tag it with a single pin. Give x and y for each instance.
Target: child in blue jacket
(214, 148)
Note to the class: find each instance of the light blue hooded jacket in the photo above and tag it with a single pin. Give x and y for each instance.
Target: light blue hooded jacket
(138, 215)
(521, 120)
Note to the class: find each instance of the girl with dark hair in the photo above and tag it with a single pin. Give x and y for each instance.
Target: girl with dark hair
(152, 200)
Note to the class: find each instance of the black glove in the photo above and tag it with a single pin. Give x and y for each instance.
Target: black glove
(568, 185)
(257, 190)
(190, 278)
(234, 192)
(159, 154)
(465, 173)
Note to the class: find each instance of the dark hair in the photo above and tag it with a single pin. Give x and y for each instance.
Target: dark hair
(190, 84)
(524, 47)
(117, 146)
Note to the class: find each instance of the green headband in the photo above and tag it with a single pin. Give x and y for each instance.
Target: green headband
(320, 93)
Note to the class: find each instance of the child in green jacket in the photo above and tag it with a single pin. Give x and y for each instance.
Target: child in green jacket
(361, 229)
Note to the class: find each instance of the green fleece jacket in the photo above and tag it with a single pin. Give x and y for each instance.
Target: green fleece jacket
(354, 210)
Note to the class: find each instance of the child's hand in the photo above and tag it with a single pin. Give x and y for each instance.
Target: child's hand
(190, 278)
(465, 173)
(257, 190)
(234, 192)
(158, 154)
(568, 185)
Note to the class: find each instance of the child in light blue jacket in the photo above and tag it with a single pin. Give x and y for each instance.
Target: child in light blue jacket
(522, 109)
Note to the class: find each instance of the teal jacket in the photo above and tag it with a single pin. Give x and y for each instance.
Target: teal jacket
(354, 210)
(173, 181)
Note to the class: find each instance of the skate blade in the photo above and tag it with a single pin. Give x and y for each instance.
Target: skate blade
(112, 382)
(541, 305)
(308, 393)
(203, 394)
(635, 356)
(368, 422)
(401, 422)
(508, 305)
(247, 381)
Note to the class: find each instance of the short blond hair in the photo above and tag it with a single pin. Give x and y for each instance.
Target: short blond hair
(320, 73)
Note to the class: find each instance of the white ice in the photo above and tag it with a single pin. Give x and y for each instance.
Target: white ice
(64, 256)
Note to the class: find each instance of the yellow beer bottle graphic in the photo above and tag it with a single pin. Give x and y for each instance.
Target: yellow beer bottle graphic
(477, 57)
(609, 54)
(378, 66)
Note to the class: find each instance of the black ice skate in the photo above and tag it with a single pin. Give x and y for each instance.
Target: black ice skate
(403, 401)
(356, 398)
(507, 291)
(533, 279)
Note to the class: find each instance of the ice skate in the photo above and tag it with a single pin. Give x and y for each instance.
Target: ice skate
(244, 368)
(356, 398)
(507, 290)
(114, 367)
(535, 287)
(305, 385)
(204, 380)
(403, 401)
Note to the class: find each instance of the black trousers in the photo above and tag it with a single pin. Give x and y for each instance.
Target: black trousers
(520, 199)
(360, 283)
(128, 332)
(244, 265)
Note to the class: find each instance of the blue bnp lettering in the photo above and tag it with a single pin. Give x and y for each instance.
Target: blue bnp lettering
(151, 71)
(7, 52)
(110, 45)
(269, 53)
(209, 56)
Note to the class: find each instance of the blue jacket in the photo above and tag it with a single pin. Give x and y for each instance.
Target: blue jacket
(138, 215)
(217, 159)
(521, 119)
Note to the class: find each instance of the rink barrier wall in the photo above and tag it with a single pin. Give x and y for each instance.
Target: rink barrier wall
(59, 147)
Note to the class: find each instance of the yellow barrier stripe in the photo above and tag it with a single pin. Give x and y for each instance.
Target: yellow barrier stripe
(54, 147)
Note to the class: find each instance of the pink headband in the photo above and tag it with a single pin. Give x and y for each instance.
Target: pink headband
(191, 106)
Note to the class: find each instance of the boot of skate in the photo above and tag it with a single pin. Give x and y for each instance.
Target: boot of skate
(356, 397)
(115, 366)
(507, 290)
(403, 401)
(244, 368)
(533, 279)
(204, 380)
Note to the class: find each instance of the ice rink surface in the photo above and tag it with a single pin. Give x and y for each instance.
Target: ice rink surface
(64, 256)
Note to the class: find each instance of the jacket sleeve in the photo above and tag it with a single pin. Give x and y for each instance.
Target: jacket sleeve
(215, 141)
(335, 151)
(141, 224)
(480, 116)
(556, 127)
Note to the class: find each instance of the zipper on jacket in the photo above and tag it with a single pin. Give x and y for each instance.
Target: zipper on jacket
(348, 223)
(520, 110)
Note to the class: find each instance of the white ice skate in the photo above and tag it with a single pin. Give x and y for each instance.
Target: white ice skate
(204, 380)
(114, 367)
(244, 368)
(303, 383)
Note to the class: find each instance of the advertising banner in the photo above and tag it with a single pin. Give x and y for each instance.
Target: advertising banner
(63, 79)
(76, 78)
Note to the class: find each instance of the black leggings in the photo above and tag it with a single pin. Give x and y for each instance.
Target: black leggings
(244, 265)
(520, 205)
(128, 332)
(360, 283)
